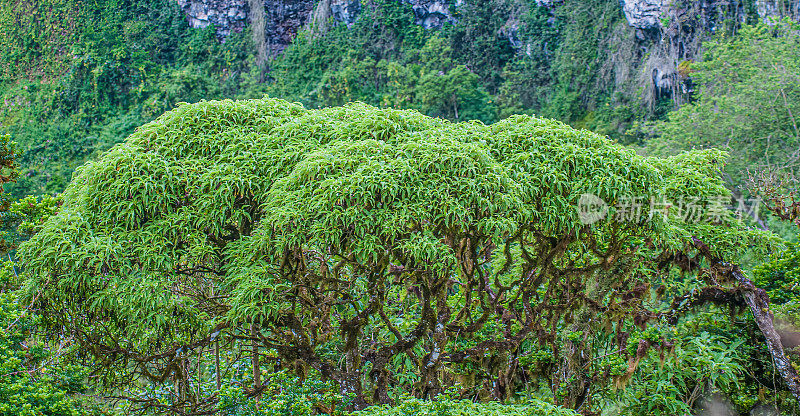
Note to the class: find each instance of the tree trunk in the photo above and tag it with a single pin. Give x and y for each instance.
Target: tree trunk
(216, 366)
(256, 364)
(350, 386)
(570, 379)
(758, 301)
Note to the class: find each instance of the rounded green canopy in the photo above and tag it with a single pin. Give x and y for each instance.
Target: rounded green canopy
(362, 233)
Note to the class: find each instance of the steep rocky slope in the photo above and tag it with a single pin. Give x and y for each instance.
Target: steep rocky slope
(665, 33)
(284, 18)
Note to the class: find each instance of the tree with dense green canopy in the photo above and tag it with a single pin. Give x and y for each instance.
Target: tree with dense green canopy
(390, 252)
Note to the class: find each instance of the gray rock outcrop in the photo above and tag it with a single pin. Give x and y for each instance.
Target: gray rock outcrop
(431, 13)
(227, 15)
(654, 14)
(643, 14)
(284, 19)
(675, 27)
(345, 11)
(777, 8)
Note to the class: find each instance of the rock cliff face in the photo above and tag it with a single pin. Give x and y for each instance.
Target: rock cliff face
(666, 32)
(227, 15)
(770, 8)
(284, 18)
(653, 14)
(777, 8)
(671, 32)
(345, 10)
(643, 14)
(431, 13)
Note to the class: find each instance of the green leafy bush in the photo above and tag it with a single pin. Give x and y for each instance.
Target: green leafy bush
(31, 385)
(780, 277)
(340, 239)
(33, 380)
(449, 407)
(285, 395)
(698, 364)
